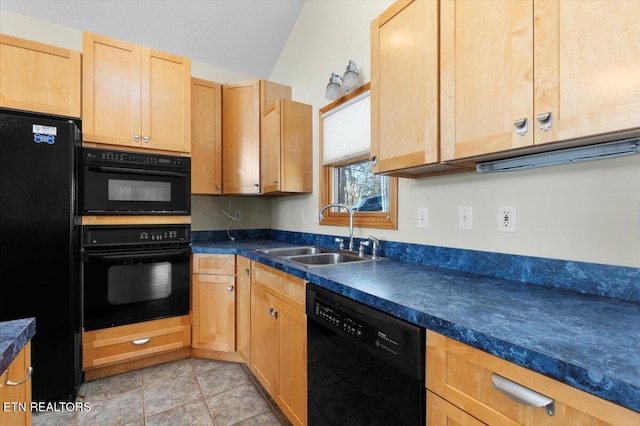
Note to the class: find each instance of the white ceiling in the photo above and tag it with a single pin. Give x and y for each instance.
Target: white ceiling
(245, 36)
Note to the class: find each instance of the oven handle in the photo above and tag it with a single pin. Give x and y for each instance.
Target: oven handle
(127, 255)
(109, 169)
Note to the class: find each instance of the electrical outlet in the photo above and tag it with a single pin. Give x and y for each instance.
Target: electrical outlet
(422, 220)
(507, 219)
(465, 218)
(301, 216)
(237, 215)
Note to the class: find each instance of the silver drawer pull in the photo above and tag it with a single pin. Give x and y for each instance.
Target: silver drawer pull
(522, 394)
(141, 341)
(230, 289)
(12, 383)
(522, 126)
(545, 120)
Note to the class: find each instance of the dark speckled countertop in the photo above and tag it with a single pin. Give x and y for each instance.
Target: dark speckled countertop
(586, 341)
(14, 335)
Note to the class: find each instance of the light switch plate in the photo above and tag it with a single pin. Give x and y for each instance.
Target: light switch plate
(465, 218)
(422, 219)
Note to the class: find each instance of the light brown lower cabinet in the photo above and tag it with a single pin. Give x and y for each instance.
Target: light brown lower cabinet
(279, 339)
(460, 390)
(213, 305)
(15, 391)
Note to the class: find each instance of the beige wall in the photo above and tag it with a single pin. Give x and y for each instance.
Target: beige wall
(588, 212)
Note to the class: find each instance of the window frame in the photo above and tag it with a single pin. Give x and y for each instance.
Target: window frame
(379, 220)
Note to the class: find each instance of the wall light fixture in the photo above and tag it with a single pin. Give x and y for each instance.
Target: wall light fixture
(338, 86)
(334, 91)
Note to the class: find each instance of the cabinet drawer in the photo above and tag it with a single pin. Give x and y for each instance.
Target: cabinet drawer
(462, 375)
(118, 344)
(287, 287)
(217, 264)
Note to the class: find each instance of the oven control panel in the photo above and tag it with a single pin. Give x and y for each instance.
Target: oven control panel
(123, 235)
(104, 157)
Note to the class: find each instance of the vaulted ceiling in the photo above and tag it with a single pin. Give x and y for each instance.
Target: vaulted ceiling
(245, 36)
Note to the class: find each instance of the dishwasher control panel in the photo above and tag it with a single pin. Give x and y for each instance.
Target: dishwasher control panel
(338, 319)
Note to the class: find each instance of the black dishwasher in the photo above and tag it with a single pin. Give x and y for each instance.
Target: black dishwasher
(365, 367)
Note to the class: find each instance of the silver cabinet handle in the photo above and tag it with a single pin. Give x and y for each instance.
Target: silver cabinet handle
(145, 139)
(247, 271)
(274, 313)
(136, 138)
(522, 126)
(230, 289)
(275, 182)
(270, 311)
(218, 186)
(545, 120)
(27, 377)
(141, 341)
(523, 395)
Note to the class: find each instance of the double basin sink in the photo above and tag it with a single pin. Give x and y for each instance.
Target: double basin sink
(312, 256)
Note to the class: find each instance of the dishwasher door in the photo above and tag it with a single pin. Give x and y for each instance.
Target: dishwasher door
(364, 367)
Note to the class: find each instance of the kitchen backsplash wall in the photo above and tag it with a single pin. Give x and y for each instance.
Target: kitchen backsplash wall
(601, 280)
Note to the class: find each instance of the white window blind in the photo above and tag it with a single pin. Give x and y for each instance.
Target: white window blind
(346, 130)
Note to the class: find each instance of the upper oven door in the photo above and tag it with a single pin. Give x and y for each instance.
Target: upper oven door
(114, 182)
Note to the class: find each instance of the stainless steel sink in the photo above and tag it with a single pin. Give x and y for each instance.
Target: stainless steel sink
(293, 251)
(326, 259)
(312, 256)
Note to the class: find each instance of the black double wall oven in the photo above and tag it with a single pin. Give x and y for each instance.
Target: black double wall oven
(133, 270)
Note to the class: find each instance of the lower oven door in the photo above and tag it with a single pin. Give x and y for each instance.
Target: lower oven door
(125, 286)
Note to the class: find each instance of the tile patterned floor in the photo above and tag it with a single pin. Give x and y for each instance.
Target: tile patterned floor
(186, 392)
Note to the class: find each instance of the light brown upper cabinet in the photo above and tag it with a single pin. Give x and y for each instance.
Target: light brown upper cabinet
(405, 139)
(243, 105)
(206, 137)
(520, 74)
(134, 96)
(286, 139)
(38, 77)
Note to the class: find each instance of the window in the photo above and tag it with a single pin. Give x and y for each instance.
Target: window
(345, 169)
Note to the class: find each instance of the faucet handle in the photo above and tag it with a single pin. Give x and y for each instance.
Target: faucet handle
(341, 241)
(363, 244)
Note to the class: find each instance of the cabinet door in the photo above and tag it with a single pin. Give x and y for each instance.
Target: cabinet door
(286, 148)
(166, 101)
(404, 86)
(264, 338)
(206, 137)
(214, 312)
(291, 377)
(441, 412)
(15, 414)
(52, 83)
(486, 76)
(270, 156)
(241, 138)
(111, 91)
(243, 308)
(587, 67)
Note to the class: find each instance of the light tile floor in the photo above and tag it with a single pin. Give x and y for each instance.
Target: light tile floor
(185, 392)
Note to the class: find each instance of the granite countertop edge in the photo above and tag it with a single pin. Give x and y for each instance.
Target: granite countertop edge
(14, 336)
(622, 388)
